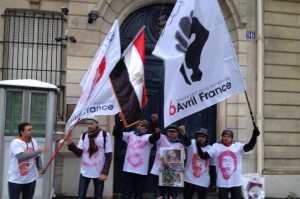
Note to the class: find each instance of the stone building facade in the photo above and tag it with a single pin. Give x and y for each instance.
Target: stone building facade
(269, 63)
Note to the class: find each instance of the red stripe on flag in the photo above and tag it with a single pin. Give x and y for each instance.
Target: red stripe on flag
(125, 78)
(99, 73)
(139, 44)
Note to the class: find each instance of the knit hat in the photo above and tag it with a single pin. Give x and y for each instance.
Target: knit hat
(228, 132)
(201, 131)
(172, 128)
(92, 119)
(144, 123)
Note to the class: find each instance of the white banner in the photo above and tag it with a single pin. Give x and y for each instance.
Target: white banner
(201, 68)
(97, 96)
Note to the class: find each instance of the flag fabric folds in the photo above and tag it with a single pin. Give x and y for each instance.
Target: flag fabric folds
(97, 96)
(201, 68)
(127, 79)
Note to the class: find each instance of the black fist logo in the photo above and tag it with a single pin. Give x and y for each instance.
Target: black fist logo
(192, 37)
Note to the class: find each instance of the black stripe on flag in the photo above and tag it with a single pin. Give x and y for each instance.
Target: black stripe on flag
(125, 94)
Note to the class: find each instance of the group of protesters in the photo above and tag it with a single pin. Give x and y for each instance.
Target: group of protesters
(95, 149)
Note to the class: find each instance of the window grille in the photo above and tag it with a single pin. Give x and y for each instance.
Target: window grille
(30, 50)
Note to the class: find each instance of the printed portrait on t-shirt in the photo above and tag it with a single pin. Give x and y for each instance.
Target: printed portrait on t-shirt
(227, 163)
(199, 166)
(135, 159)
(24, 165)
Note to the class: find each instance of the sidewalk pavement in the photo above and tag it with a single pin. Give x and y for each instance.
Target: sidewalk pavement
(209, 196)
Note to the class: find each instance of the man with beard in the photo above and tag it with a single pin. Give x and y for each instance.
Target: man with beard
(139, 144)
(95, 149)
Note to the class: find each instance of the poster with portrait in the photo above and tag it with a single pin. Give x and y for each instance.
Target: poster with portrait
(171, 167)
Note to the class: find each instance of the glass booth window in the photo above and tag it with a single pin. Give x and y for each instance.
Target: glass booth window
(38, 113)
(13, 112)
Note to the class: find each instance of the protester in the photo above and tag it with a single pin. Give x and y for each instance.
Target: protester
(228, 156)
(95, 149)
(25, 160)
(175, 140)
(197, 177)
(139, 144)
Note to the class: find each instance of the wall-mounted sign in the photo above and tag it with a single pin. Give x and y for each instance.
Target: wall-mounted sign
(250, 34)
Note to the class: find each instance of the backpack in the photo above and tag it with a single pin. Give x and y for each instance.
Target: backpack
(104, 137)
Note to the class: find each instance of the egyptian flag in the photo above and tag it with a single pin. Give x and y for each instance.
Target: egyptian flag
(127, 79)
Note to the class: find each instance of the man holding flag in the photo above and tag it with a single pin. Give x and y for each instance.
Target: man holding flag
(127, 79)
(95, 150)
(97, 96)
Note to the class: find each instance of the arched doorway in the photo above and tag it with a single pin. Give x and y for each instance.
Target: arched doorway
(154, 18)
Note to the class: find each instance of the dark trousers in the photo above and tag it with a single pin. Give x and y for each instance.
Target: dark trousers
(133, 183)
(84, 184)
(163, 190)
(15, 190)
(167, 191)
(235, 192)
(155, 185)
(189, 190)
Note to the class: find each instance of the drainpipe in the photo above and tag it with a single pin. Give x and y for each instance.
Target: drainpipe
(260, 85)
(2, 149)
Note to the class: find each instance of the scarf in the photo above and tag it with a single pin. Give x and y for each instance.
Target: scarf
(21, 138)
(93, 148)
(26, 141)
(229, 144)
(175, 140)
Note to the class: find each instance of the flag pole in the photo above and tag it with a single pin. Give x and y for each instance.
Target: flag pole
(252, 117)
(133, 40)
(59, 147)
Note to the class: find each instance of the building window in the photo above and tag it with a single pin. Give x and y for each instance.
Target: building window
(30, 50)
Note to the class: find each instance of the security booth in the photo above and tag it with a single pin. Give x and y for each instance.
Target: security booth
(34, 102)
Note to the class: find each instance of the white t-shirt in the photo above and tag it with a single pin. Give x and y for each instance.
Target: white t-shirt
(162, 142)
(197, 169)
(91, 167)
(137, 153)
(22, 172)
(228, 163)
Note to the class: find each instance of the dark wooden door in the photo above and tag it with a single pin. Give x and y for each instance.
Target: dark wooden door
(154, 17)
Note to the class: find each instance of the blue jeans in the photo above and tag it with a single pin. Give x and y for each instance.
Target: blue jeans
(133, 183)
(84, 184)
(15, 190)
